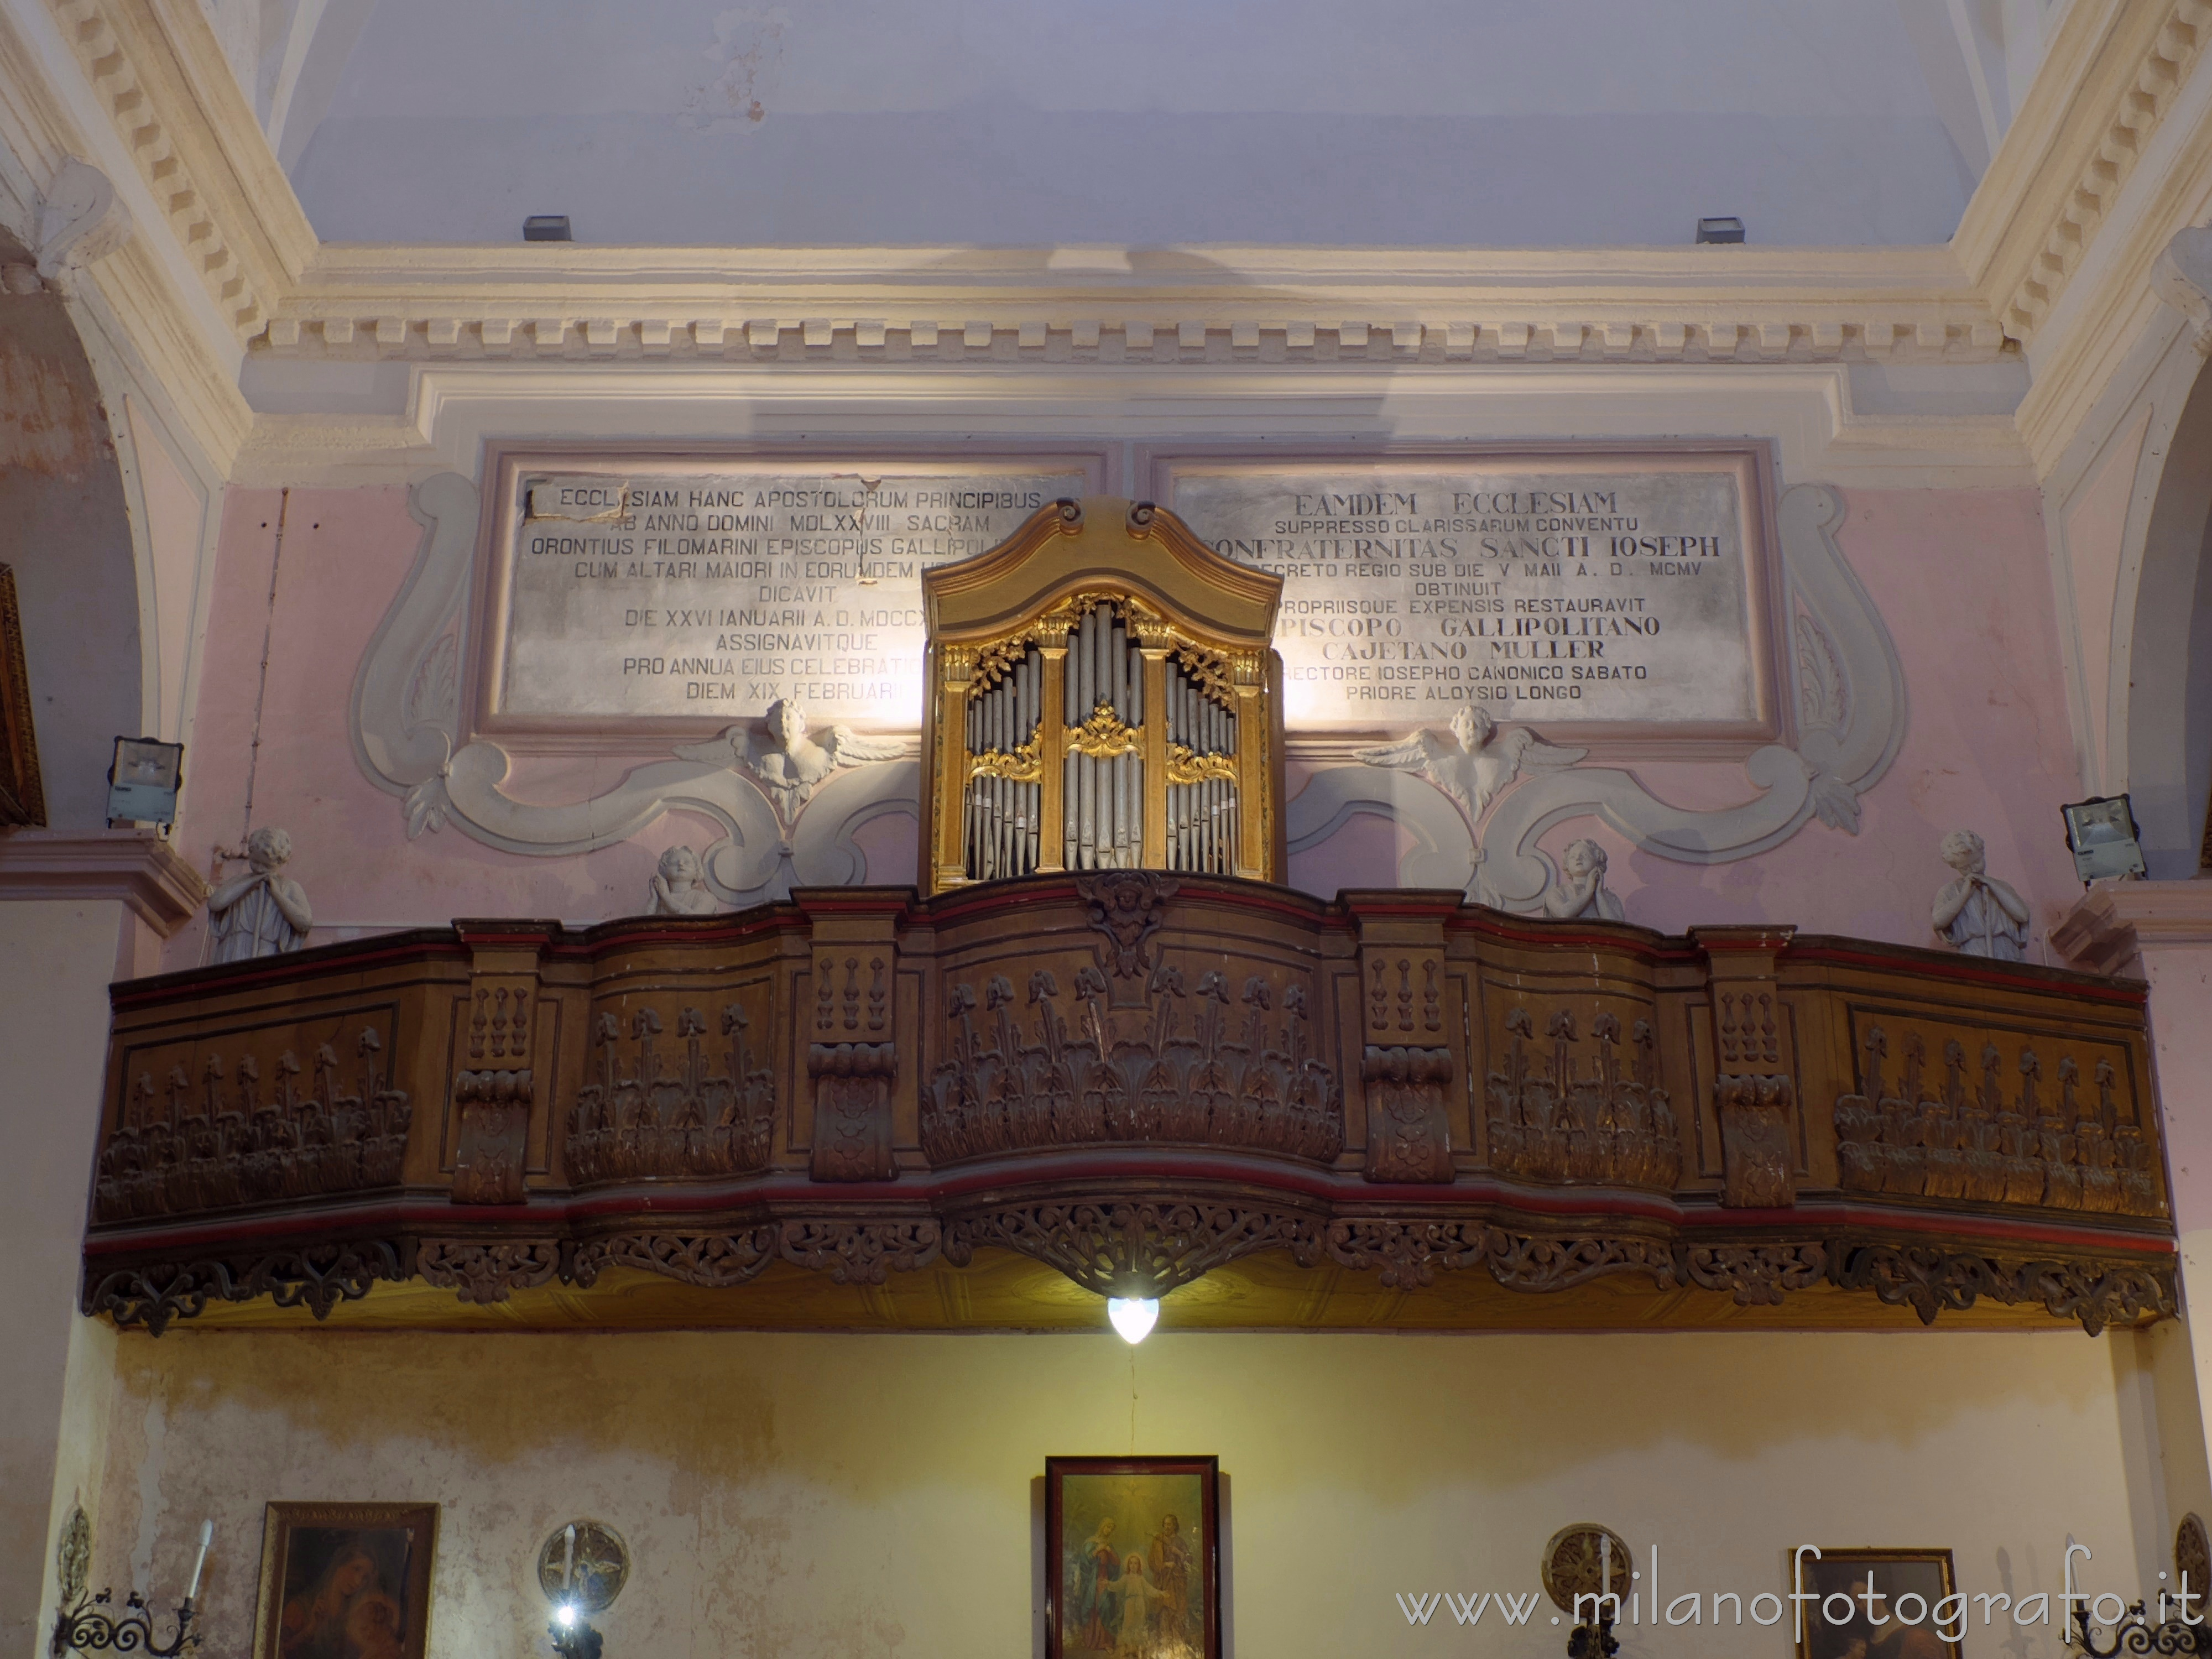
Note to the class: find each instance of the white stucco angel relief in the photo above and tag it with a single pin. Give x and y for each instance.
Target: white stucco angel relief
(1475, 762)
(784, 760)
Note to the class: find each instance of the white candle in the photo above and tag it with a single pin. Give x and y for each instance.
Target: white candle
(207, 1537)
(568, 1557)
(1604, 1566)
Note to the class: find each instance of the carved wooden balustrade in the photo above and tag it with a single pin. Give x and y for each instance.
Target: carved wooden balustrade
(1138, 1081)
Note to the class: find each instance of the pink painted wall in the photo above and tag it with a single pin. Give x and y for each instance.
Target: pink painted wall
(2096, 527)
(1958, 574)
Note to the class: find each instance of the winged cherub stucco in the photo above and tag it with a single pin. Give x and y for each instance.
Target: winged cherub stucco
(785, 760)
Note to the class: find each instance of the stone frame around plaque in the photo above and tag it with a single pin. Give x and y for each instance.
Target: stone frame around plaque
(1157, 468)
(484, 644)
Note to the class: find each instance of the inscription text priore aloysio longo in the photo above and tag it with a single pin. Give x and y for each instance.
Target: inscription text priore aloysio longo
(715, 596)
(1561, 598)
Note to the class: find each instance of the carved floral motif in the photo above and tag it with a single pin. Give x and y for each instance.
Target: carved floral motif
(229, 1139)
(317, 1278)
(714, 1261)
(1551, 1123)
(1128, 907)
(484, 1272)
(1215, 1085)
(1136, 1247)
(1984, 1143)
(655, 1124)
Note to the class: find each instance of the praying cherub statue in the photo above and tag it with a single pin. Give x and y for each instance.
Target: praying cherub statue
(261, 913)
(1979, 913)
(679, 888)
(1580, 894)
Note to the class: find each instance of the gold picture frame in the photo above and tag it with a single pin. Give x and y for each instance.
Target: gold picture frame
(22, 798)
(350, 1580)
(1894, 1576)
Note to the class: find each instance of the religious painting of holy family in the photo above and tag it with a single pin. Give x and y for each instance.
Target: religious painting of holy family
(345, 1581)
(1897, 1602)
(1133, 1558)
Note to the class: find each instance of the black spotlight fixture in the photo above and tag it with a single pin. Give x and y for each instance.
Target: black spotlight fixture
(554, 228)
(1727, 229)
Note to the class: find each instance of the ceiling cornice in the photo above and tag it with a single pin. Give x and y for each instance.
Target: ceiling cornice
(2108, 79)
(2113, 74)
(1214, 304)
(161, 77)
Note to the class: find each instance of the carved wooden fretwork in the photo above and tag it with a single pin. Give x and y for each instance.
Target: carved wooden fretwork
(853, 1250)
(1137, 1248)
(1756, 1275)
(232, 1137)
(1552, 1122)
(656, 1124)
(716, 1260)
(317, 1278)
(488, 1272)
(1237, 1077)
(1930, 1279)
(1989, 1141)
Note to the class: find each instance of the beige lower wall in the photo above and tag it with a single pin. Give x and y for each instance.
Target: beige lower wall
(802, 1495)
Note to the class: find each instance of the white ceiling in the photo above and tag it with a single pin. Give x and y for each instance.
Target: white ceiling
(1422, 123)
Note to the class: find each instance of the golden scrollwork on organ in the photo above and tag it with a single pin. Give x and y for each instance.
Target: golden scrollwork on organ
(1102, 697)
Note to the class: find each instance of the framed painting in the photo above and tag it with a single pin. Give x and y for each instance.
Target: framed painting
(345, 1581)
(1900, 1606)
(1133, 1558)
(22, 800)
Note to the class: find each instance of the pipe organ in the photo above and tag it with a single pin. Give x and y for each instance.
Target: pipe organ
(1114, 699)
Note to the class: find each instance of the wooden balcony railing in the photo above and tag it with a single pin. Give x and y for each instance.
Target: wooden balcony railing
(1136, 1081)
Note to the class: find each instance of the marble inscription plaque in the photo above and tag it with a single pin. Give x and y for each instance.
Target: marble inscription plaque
(1610, 591)
(653, 594)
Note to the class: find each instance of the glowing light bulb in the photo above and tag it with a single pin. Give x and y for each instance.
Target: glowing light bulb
(566, 1615)
(1133, 1315)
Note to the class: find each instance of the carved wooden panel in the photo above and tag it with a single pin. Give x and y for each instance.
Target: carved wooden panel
(675, 1096)
(1578, 1099)
(1134, 1079)
(1995, 1113)
(259, 1123)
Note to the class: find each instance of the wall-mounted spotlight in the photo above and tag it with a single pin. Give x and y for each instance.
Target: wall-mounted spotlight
(1133, 1315)
(143, 780)
(554, 228)
(2104, 838)
(1729, 229)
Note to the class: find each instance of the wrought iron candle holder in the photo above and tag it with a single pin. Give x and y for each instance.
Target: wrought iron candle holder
(2134, 1633)
(86, 1626)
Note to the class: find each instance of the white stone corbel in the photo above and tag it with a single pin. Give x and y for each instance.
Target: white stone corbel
(2182, 278)
(81, 219)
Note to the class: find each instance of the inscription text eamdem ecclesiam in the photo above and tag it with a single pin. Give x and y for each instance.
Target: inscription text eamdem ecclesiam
(1611, 591)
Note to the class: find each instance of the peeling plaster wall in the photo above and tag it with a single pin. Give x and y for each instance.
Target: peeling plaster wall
(850, 1495)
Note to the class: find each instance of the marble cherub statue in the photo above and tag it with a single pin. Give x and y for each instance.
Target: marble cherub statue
(1976, 912)
(263, 913)
(679, 887)
(1475, 762)
(788, 762)
(1580, 894)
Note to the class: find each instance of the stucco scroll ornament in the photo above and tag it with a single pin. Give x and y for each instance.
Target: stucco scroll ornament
(81, 219)
(1851, 721)
(785, 762)
(406, 723)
